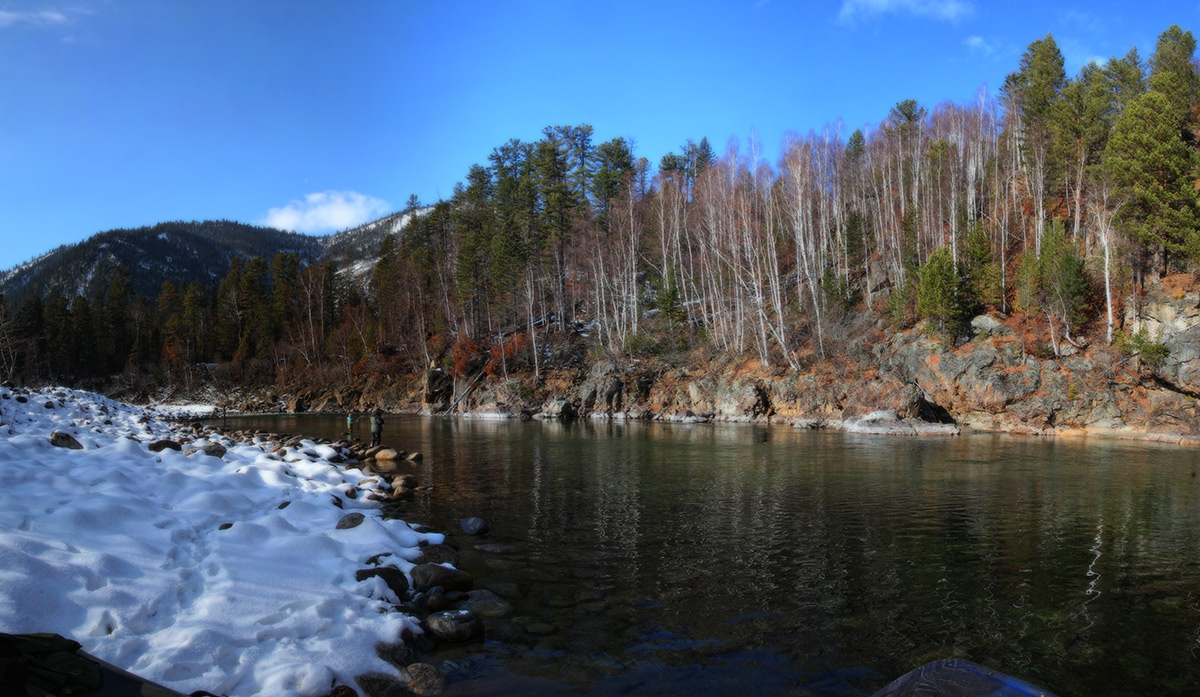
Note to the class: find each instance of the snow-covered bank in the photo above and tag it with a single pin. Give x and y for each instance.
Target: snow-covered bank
(224, 572)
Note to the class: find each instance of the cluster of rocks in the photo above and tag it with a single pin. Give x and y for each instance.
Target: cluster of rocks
(445, 601)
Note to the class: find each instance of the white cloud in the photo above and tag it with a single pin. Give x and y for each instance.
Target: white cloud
(978, 45)
(326, 211)
(946, 10)
(9, 18)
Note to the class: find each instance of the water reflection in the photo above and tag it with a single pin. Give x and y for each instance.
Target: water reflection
(669, 559)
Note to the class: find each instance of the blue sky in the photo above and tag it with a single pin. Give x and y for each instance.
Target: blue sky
(316, 116)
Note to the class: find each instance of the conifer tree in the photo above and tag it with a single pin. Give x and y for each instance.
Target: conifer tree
(1153, 170)
(1173, 74)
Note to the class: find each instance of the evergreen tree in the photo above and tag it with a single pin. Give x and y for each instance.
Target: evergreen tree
(941, 293)
(1173, 74)
(1153, 170)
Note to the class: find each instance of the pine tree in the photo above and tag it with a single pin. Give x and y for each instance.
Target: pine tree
(1153, 168)
(1173, 74)
(941, 293)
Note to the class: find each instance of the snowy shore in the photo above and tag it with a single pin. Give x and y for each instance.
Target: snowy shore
(219, 566)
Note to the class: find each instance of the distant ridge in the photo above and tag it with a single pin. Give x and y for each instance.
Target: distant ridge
(187, 252)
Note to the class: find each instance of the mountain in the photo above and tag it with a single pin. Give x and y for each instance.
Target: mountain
(186, 251)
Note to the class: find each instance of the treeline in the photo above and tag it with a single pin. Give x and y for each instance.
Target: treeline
(1055, 199)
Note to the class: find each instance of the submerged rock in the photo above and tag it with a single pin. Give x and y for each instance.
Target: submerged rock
(455, 625)
(475, 526)
(425, 679)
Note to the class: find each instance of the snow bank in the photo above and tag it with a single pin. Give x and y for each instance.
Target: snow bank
(225, 574)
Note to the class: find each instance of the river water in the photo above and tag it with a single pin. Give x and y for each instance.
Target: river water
(661, 559)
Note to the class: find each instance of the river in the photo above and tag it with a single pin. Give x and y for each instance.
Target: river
(723, 559)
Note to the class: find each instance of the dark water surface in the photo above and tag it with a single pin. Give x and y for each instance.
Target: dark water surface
(654, 559)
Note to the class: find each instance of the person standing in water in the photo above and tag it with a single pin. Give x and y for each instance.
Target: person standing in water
(376, 426)
(349, 426)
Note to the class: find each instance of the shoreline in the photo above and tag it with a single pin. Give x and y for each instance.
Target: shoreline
(894, 427)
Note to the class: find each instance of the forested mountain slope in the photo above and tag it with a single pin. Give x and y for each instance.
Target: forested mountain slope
(175, 251)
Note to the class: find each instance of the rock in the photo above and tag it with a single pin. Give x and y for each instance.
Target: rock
(437, 389)
(350, 520)
(388, 454)
(439, 554)
(987, 325)
(211, 449)
(455, 625)
(342, 691)
(405, 480)
(886, 422)
(558, 408)
(487, 604)
(21, 399)
(435, 600)
(393, 577)
(49, 404)
(425, 576)
(62, 439)
(160, 445)
(474, 526)
(415, 457)
(381, 685)
(399, 654)
(494, 548)
(424, 679)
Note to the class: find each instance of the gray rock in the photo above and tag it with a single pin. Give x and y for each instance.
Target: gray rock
(393, 577)
(455, 625)
(558, 408)
(425, 679)
(987, 325)
(350, 520)
(426, 576)
(487, 604)
(160, 445)
(474, 526)
(62, 439)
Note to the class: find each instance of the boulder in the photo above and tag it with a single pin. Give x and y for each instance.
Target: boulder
(415, 457)
(350, 520)
(387, 454)
(558, 408)
(455, 626)
(393, 577)
(62, 439)
(426, 576)
(160, 445)
(474, 526)
(425, 679)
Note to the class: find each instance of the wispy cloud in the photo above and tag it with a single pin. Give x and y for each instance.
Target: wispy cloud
(9, 18)
(978, 45)
(943, 10)
(326, 211)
